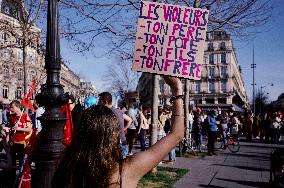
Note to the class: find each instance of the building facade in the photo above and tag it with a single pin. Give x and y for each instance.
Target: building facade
(12, 74)
(86, 89)
(221, 84)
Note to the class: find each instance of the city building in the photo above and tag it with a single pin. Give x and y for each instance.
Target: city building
(86, 89)
(145, 90)
(221, 84)
(13, 51)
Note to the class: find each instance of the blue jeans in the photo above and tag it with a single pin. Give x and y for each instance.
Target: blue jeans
(142, 139)
(172, 155)
(124, 150)
(224, 135)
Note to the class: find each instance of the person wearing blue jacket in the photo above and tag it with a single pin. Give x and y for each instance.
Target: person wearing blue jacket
(212, 132)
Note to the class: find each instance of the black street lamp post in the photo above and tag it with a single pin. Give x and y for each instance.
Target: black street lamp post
(52, 97)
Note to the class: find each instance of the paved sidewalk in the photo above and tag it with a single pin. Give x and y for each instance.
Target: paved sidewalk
(247, 168)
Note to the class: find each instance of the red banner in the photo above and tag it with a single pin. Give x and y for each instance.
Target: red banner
(26, 101)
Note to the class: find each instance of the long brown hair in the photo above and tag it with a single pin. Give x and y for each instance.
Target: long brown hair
(94, 153)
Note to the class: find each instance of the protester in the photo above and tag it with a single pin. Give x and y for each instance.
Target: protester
(106, 100)
(21, 132)
(261, 127)
(142, 129)
(1, 114)
(94, 158)
(132, 131)
(212, 132)
(274, 127)
(234, 125)
(247, 122)
(39, 111)
(6, 172)
(256, 126)
(190, 119)
(267, 123)
(90, 101)
(68, 127)
(167, 129)
(161, 123)
(223, 127)
(197, 127)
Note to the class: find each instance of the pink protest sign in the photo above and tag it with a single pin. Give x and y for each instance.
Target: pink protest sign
(170, 40)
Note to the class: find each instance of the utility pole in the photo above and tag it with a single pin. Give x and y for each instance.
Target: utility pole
(253, 66)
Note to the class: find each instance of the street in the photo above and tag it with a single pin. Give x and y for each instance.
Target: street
(247, 168)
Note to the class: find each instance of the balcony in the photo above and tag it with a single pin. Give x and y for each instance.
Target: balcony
(223, 48)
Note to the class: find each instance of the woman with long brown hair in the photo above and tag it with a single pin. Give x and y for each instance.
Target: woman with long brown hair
(94, 159)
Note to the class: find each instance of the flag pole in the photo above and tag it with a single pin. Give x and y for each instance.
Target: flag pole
(22, 112)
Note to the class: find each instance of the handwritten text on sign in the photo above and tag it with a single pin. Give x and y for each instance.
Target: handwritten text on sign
(170, 40)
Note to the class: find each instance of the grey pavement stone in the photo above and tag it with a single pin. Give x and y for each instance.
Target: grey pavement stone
(247, 168)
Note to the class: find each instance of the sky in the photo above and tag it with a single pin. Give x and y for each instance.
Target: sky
(269, 58)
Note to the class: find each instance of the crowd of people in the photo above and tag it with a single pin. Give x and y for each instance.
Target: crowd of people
(266, 127)
(98, 138)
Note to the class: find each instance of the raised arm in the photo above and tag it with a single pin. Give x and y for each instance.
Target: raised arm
(143, 162)
(127, 120)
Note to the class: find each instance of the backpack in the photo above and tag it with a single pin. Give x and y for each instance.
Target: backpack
(206, 124)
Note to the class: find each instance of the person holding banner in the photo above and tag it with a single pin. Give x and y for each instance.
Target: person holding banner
(21, 131)
(94, 158)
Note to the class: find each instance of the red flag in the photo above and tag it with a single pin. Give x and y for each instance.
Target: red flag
(26, 102)
(68, 128)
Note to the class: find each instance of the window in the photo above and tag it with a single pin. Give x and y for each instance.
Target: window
(222, 100)
(197, 86)
(19, 93)
(209, 36)
(210, 46)
(197, 101)
(211, 71)
(19, 41)
(6, 71)
(211, 87)
(32, 75)
(5, 92)
(7, 10)
(31, 59)
(20, 74)
(161, 101)
(20, 55)
(223, 46)
(223, 58)
(5, 37)
(18, 14)
(211, 58)
(209, 101)
(223, 71)
(6, 53)
(223, 86)
(162, 88)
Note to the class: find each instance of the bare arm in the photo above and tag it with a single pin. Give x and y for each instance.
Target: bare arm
(147, 160)
(128, 121)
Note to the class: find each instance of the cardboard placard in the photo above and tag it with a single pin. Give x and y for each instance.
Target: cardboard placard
(170, 40)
